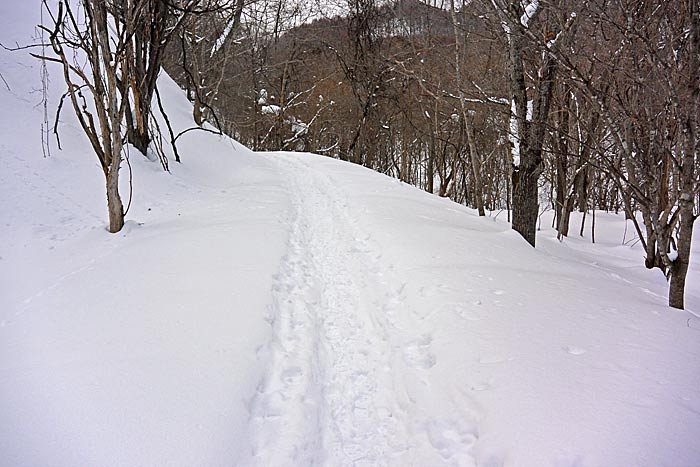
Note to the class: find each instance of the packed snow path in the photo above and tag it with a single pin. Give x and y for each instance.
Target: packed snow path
(335, 391)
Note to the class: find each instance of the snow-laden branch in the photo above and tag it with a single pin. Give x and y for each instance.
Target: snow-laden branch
(530, 12)
(487, 100)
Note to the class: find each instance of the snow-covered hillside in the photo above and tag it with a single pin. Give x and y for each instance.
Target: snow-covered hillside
(287, 309)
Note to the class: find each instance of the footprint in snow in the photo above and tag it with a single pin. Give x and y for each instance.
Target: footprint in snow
(467, 314)
(291, 375)
(574, 350)
(417, 353)
(452, 439)
(481, 386)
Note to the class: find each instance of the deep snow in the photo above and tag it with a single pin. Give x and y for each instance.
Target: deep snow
(289, 309)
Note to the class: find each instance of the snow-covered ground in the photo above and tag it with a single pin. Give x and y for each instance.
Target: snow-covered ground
(287, 309)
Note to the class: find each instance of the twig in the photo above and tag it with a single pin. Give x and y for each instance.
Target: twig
(45, 145)
(18, 47)
(218, 133)
(131, 180)
(4, 81)
(158, 144)
(58, 114)
(167, 123)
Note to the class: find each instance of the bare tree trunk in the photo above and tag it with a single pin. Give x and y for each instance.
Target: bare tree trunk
(111, 114)
(476, 167)
(114, 201)
(691, 147)
(530, 133)
(679, 267)
(562, 166)
(525, 204)
(430, 168)
(560, 199)
(509, 193)
(526, 175)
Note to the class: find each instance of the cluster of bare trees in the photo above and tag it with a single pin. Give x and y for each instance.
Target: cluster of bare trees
(110, 53)
(521, 105)
(626, 110)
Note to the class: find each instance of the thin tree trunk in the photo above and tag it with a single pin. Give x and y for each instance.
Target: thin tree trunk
(679, 267)
(114, 201)
(476, 167)
(509, 197)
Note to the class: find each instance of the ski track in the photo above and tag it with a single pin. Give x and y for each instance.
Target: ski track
(334, 388)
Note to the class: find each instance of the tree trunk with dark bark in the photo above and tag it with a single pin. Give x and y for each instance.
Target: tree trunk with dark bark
(114, 201)
(531, 136)
(525, 203)
(679, 267)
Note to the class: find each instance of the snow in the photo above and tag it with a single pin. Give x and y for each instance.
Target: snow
(264, 309)
(262, 97)
(514, 134)
(271, 109)
(529, 13)
(298, 127)
(673, 255)
(221, 40)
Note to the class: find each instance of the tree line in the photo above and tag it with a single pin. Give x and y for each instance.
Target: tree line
(498, 104)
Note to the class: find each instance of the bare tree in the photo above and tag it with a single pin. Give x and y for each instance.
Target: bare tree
(92, 53)
(111, 52)
(530, 101)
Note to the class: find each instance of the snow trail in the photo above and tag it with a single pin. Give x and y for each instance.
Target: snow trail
(334, 393)
(319, 401)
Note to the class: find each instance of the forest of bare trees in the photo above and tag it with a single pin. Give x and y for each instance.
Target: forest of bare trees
(520, 106)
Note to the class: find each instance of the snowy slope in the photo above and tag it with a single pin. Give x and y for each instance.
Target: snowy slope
(291, 310)
(531, 359)
(137, 348)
